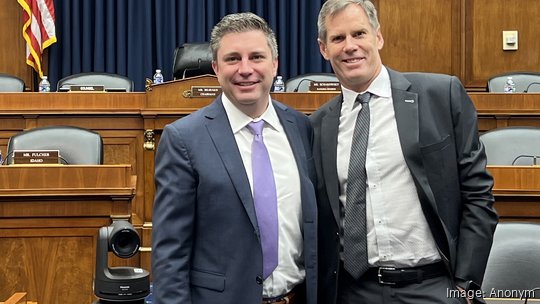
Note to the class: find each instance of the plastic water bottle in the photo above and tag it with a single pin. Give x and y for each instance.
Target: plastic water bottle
(279, 85)
(44, 85)
(509, 85)
(158, 77)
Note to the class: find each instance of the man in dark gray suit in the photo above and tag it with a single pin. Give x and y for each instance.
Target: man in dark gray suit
(405, 202)
(235, 213)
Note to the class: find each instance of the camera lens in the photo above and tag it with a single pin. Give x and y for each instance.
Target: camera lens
(125, 243)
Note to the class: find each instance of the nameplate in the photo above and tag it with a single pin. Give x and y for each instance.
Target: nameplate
(86, 88)
(37, 157)
(205, 91)
(324, 86)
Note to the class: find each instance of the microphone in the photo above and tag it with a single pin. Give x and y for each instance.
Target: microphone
(300, 82)
(4, 161)
(530, 84)
(65, 87)
(197, 68)
(64, 160)
(529, 294)
(534, 157)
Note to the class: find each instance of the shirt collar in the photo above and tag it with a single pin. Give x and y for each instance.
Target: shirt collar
(238, 119)
(380, 87)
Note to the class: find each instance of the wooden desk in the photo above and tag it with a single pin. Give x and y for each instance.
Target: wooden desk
(49, 219)
(115, 116)
(517, 192)
(497, 110)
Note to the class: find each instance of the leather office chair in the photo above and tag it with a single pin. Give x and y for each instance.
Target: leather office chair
(512, 145)
(301, 83)
(111, 82)
(514, 260)
(76, 145)
(10, 83)
(192, 59)
(525, 82)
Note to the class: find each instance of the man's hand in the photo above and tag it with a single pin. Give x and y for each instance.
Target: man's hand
(469, 300)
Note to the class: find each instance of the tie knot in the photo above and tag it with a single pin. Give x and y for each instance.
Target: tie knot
(363, 98)
(256, 127)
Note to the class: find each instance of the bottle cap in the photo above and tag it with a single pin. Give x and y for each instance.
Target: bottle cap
(158, 70)
(44, 77)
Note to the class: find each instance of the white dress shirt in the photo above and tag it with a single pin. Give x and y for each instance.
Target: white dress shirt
(290, 270)
(398, 234)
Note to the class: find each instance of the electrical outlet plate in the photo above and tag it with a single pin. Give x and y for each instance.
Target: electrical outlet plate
(510, 40)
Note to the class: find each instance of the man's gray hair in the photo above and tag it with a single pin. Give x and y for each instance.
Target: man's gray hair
(332, 7)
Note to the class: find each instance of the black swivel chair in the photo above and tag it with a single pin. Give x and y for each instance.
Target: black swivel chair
(10, 83)
(525, 82)
(301, 83)
(111, 82)
(192, 59)
(512, 146)
(514, 260)
(76, 145)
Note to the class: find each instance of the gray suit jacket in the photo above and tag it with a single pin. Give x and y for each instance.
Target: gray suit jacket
(438, 132)
(205, 241)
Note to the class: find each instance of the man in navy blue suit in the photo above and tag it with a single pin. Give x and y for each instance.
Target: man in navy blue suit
(209, 241)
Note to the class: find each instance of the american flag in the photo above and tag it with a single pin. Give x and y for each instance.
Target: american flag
(38, 30)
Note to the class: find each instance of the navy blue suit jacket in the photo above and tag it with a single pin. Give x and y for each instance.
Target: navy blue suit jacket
(206, 246)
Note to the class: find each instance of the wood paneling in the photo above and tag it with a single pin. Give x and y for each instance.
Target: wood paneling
(517, 192)
(12, 44)
(421, 35)
(18, 298)
(485, 21)
(49, 219)
(504, 110)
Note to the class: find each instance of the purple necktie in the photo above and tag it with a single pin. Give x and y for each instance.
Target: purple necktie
(264, 195)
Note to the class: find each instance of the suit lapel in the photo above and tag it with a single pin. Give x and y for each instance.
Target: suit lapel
(290, 125)
(329, 134)
(291, 129)
(219, 129)
(406, 110)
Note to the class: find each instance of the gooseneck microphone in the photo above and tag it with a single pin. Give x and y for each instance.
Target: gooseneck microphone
(528, 87)
(300, 82)
(534, 158)
(529, 294)
(4, 161)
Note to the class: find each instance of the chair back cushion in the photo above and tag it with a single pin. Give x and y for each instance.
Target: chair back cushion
(10, 83)
(514, 260)
(192, 59)
(524, 81)
(76, 145)
(512, 145)
(111, 82)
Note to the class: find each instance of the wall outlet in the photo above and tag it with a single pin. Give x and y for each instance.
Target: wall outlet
(510, 40)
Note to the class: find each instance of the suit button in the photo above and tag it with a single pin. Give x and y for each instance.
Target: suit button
(259, 280)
